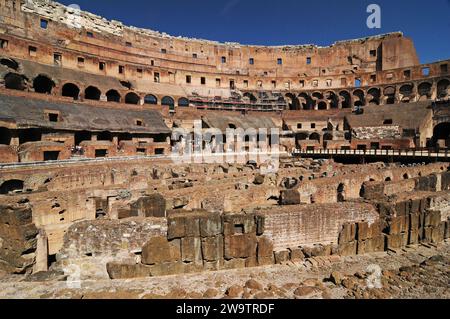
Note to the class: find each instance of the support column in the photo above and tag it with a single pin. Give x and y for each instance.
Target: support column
(41, 263)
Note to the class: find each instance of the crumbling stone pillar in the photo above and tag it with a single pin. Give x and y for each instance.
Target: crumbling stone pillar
(41, 263)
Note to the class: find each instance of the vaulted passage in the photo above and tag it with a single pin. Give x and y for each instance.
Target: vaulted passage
(113, 96)
(15, 82)
(92, 93)
(293, 102)
(443, 88)
(132, 98)
(168, 101)
(11, 186)
(43, 84)
(183, 102)
(424, 90)
(71, 90)
(150, 99)
(441, 135)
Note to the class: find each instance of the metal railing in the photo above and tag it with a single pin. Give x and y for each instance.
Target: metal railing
(445, 153)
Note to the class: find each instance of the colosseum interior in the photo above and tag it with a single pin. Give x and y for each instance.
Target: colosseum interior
(96, 186)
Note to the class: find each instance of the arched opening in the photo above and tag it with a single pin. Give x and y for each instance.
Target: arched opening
(12, 185)
(362, 191)
(405, 176)
(168, 101)
(389, 95)
(5, 136)
(345, 99)
(105, 136)
(10, 63)
(424, 90)
(183, 102)
(70, 90)
(150, 99)
(443, 88)
(92, 93)
(317, 95)
(373, 96)
(358, 98)
(322, 105)
(113, 96)
(388, 179)
(341, 193)
(333, 100)
(82, 136)
(441, 135)
(132, 98)
(306, 101)
(315, 136)
(15, 81)
(293, 102)
(406, 92)
(43, 84)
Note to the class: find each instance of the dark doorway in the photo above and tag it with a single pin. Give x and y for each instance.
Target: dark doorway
(51, 155)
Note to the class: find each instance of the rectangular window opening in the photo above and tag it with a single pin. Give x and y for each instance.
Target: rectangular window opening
(44, 24)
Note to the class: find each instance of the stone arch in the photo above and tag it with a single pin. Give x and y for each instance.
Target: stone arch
(333, 99)
(346, 99)
(70, 90)
(92, 93)
(168, 101)
(113, 96)
(15, 81)
(359, 99)
(406, 92)
(293, 102)
(132, 98)
(317, 95)
(373, 96)
(389, 94)
(150, 99)
(183, 102)
(306, 101)
(11, 186)
(443, 88)
(43, 84)
(441, 135)
(10, 63)
(424, 90)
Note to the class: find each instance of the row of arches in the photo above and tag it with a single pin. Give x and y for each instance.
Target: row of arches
(45, 85)
(373, 96)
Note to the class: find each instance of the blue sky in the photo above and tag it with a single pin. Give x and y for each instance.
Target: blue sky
(279, 22)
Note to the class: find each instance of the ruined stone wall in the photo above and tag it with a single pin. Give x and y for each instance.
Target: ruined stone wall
(306, 225)
(17, 239)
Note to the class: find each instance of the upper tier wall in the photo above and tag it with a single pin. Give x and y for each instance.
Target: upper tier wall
(77, 34)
